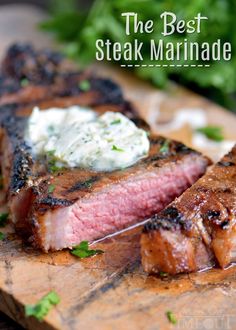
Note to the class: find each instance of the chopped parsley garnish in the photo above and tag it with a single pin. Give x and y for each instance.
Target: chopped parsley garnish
(115, 122)
(88, 183)
(82, 250)
(212, 132)
(43, 306)
(52, 162)
(2, 236)
(84, 85)
(53, 168)
(24, 82)
(165, 147)
(171, 317)
(3, 219)
(51, 188)
(163, 274)
(115, 148)
(51, 153)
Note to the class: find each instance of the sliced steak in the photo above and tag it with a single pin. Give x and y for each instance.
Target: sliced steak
(198, 230)
(87, 205)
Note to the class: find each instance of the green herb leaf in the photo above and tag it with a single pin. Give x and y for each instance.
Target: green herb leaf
(115, 122)
(51, 153)
(24, 82)
(115, 148)
(3, 219)
(87, 184)
(43, 306)
(52, 162)
(212, 132)
(54, 168)
(2, 236)
(82, 250)
(51, 188)
(84, 85)
(165, 147)
(171, 317)
(163, 274)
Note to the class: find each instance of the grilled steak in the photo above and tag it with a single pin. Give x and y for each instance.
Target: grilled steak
(198, 229)
(28, 75)
(87, 205)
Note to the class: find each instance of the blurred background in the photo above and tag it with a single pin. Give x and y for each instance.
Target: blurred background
(77, 25)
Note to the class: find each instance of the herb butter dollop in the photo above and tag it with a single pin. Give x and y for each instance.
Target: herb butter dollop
(78, 137)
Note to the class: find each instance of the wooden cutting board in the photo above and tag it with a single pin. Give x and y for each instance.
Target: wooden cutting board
(111, 291)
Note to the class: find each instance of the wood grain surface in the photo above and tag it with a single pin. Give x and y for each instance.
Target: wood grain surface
(111, 291)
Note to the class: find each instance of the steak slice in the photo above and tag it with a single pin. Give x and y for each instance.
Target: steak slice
(198, 230)
(87, 205)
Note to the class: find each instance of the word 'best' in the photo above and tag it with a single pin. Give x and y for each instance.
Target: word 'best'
(170, 24)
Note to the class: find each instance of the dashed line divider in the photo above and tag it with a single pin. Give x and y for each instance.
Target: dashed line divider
(165, 65)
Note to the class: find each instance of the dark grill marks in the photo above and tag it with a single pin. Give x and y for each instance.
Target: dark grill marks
(21, 168)
(111, 92)
(175, 148)
(181, 148)
(138, 121)
(54, 202)
(87, 184)
(169, 219)
(22, 61)
(108, 91)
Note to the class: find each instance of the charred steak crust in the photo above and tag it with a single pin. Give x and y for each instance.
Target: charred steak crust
(38, 66)
(101, 90)
(33, 75)
(198, 229)
(169, 219)
(22, 161)
(53, 202)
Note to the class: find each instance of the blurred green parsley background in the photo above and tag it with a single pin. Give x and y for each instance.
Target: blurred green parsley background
(79, 29)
